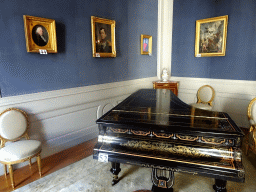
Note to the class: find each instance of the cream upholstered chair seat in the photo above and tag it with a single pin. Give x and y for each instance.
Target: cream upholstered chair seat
(205, 97)
(251, 137)
(202, 106)
(252, 122)
(20, 150)
(13, 127)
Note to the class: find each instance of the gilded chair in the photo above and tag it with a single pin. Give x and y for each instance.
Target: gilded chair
(205, 97)
(15, 144)
(251, 137)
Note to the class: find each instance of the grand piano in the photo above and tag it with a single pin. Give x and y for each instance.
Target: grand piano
(153, 128)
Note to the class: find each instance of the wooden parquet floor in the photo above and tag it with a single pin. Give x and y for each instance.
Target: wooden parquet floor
(26, 175)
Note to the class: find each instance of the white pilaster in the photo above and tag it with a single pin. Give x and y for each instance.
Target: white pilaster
(164, 43)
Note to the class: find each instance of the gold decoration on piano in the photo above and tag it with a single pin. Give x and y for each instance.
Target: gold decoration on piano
(163, 135)
(164, 147)
(116, 116)
(162, 183)
(143, 133)
(238, 141)
(115, 130)
(213, 140)
(187, 137)
(237, 154)
(100, 138)
(223, 163)
(226, 154)
(106, 139)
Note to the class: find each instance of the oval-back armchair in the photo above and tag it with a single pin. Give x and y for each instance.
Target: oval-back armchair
(205, 97)
(251, 138)
(13, 128)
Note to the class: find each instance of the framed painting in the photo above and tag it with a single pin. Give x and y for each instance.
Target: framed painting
(146, 45)
(103, 37)
(40, 34)
(211, 37)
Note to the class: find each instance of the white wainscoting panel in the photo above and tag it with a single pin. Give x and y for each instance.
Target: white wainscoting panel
(64, 118)
(231, 96)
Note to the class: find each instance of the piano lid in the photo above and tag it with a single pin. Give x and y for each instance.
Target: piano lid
(161, 109)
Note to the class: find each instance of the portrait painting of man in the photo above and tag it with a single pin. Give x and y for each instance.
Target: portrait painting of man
(40, 35)
(103, 38)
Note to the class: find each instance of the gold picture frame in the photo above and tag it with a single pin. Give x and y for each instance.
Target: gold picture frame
(146, 45)
(211, 35)
(40, 34)
(103, 37)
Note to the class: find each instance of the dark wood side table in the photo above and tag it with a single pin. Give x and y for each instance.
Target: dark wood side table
(171, 85)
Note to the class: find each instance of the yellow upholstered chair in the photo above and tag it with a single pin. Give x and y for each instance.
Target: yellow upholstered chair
(251, 137)
(13, 149)
(205, 97)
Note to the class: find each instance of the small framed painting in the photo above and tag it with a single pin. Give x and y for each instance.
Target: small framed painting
(211, 37)
(40, 34)
(146, 44)
(103, 37)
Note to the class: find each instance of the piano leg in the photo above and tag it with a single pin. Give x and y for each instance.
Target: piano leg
(115, 170)
(162, 182)
(220, 185)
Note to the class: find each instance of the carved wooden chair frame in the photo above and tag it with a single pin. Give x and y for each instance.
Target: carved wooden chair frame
(198, 95)
(25, 134)
(252, 131)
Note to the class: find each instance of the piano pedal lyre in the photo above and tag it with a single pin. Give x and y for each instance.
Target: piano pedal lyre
(162, 182)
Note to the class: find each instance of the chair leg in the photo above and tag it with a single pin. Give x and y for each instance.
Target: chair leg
(5, 170)
(39, 164)
(30, 163)
(246, 149)
(11, 175)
